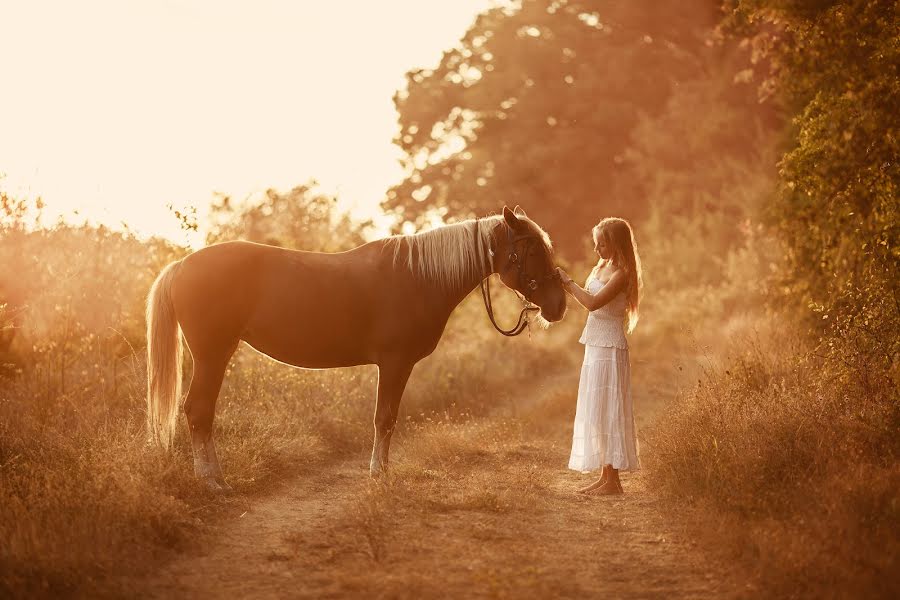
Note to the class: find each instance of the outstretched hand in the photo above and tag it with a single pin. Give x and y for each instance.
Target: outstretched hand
(564, 278)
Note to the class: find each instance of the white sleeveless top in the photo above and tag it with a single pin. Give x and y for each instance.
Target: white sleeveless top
(606, 325)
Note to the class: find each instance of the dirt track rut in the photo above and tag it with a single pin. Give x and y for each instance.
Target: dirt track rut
(504, 524)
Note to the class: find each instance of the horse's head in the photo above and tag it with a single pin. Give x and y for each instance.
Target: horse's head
(524, 260)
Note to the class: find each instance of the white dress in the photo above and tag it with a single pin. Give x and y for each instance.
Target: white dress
(604, 418)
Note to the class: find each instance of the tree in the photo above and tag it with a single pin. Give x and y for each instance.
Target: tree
(540, 105)
(837, 66)
(302, 219)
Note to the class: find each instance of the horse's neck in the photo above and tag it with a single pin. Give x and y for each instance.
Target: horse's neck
(455, 296)
(452, 295)
(487, 268)
(451, 290)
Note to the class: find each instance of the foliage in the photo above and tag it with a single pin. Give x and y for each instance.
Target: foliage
(838, 203)
(302, 219)
(703, 181)
(796, 465)
(577, 110)
(793, 445)
(71, 291)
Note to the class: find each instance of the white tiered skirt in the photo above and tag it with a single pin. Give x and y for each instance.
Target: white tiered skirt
(604, 417)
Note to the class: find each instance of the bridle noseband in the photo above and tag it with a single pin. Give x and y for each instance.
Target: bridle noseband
(530, 285)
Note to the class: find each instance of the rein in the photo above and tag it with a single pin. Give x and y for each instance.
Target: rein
(523, 323)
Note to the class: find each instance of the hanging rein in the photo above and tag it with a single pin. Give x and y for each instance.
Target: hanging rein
(514, 259)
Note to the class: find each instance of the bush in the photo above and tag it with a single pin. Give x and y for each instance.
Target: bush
(797, 453)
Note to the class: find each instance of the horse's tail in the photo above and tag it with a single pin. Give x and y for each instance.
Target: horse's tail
(164, 354)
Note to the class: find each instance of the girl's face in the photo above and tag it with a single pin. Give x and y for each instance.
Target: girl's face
(602, 247)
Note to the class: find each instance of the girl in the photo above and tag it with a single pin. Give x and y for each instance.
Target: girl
(604, 423)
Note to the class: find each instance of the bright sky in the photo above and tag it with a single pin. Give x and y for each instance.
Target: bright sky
(117, 109)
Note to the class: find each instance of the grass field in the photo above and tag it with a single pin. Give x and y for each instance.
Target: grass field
(81, 488)
(779, 473)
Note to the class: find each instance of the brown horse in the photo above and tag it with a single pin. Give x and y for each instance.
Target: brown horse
(383, 303)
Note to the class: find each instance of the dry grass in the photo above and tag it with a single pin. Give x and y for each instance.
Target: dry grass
(484, 507)
(790, 457)
(81, 490)
(795, 465)
(492, 463)
(480, 471)
(785, 449)
(83, 495)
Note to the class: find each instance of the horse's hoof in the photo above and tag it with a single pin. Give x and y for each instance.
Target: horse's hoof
(217, 485)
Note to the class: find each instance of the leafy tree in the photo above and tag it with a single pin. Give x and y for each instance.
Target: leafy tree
(705, 165)
(301, 218)
(540, 105)
(837, 66)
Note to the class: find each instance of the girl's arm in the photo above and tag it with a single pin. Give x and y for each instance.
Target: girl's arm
(590, 301)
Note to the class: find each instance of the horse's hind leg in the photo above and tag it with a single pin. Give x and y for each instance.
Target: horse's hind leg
(200, 410)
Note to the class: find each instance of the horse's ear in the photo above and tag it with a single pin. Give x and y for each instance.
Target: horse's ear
(519, 212)
(511, 219)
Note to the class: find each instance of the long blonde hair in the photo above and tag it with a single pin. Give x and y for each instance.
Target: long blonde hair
(618, 235)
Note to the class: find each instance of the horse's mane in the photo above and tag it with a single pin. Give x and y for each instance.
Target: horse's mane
(447, 255)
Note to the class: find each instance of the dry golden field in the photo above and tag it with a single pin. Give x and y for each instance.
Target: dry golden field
(478, 501)
(751, 144)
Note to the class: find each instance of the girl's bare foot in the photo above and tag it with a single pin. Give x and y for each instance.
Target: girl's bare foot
(594, 485)
(608, 488)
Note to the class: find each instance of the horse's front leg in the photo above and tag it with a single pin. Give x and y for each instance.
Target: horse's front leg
(392, 378)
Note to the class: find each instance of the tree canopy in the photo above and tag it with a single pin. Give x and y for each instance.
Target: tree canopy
(837, 66)
(572, 109)
(302, 219)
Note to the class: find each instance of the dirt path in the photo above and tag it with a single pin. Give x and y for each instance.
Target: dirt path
(249, 551)
(484, 509)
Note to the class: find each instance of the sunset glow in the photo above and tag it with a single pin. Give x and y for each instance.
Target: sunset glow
(436, 298)
(113, 111)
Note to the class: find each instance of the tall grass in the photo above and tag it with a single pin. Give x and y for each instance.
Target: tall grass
(791, 455)
(85, 498)
(786, 446)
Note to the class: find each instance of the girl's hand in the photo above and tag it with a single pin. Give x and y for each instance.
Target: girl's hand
(564, 278)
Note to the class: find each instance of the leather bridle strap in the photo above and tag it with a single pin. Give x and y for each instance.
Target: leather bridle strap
(522, 324)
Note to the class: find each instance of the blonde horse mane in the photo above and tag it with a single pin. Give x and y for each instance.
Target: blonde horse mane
(447, 255)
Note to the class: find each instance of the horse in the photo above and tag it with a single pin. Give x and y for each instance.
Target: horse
(385, 302)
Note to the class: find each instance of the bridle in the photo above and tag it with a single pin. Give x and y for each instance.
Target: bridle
(530, 285)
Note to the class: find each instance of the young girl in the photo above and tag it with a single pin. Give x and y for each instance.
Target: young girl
(604, 423)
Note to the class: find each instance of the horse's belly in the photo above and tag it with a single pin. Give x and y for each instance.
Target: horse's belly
(309, 351)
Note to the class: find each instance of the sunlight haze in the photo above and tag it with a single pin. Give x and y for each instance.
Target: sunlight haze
(111, 111)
